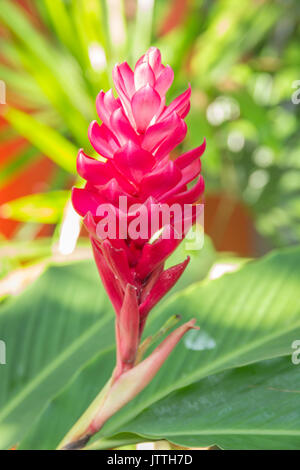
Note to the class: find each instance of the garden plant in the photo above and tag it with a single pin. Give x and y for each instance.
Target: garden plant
(136, 305)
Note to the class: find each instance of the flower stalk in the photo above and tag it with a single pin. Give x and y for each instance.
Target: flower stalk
(121, 389)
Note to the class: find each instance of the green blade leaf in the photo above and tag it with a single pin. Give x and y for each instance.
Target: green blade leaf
(44, 208)
(22, 84)
(143, 27)
(17, 164)
(117, 29)
(58, 13)
(46, 139)
(57, 75)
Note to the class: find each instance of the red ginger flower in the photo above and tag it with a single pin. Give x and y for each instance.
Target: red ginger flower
(137, 134)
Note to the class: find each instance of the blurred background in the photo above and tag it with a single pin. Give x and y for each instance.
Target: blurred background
(242, 59)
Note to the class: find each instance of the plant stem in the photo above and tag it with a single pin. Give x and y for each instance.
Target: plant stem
(121, 389)
(81, 432)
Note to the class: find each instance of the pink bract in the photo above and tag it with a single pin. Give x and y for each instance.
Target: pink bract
(137, 134)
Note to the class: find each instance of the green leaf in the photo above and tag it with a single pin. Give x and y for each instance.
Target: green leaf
(58, 13)
(17, 164)
(253, 407)
(200, 263)
(44, 208)
(143, 28)
(116, 30)
(22, 84)
(26, 250)
(57, 75)
(245, 317)
(233, 30)
(46, 139)
(50, 331)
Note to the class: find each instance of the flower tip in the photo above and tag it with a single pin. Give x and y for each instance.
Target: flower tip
(130, 288)
(88, 217)
(153, 52)
(80, 153)
(92, 126)
(90, 224)
(92, 129)
(187, 260)
(191, 324)
(80, 160)
(99, 98)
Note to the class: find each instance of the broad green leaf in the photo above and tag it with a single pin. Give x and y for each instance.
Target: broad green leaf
(46, 139)
(245, 317)
(253, 407)
(50, 331)
(45, 208)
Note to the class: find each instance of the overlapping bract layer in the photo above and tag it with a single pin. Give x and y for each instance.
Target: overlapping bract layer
(137, 134)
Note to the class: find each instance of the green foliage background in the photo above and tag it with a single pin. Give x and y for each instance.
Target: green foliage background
(242, 59)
